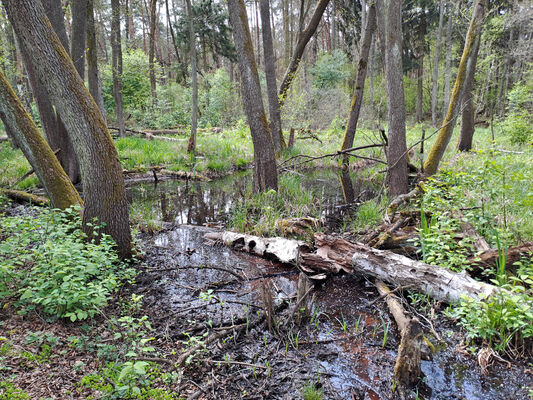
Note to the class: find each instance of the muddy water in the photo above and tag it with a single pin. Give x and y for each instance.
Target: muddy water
(348, 346)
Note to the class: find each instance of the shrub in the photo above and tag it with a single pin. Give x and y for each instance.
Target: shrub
(46, 260)
(330, 69)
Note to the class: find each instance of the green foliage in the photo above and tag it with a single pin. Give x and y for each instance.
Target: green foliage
(330, 69)
(9, 392)
(311, 392)
(47, 261)
(519, 123)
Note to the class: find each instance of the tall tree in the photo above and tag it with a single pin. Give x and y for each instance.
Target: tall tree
(101, 172)
(55, 181)
(194, 77)
(357, 99)
(468, 116)
(265, 172)
(448, 65)
(79, 31)
(151, 48)
(270, 72)
(93, 74)
(435, 78)
(116, 67)
(397, 147)
(445, 133)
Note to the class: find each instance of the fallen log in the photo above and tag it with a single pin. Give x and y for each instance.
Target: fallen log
(488, 258)
(3, 139)
(19, 195)
(334, 254)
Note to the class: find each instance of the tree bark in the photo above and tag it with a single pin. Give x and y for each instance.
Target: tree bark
(116, 49)
(469, 112)
(445, 133)
(79, 32)
(448, 68)
(151, 51)
(270, 72)
(434, 89)
(55, 181)
(420, 69)
(265, 172)
(101, 172)
(93, 74)
(194, 76)
(306, 35)
(357, 99)
(286, 32)
(397, 147)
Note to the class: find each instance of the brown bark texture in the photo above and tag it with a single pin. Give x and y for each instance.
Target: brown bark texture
(397, 147)
(101, 172)
(116, 50)
(270, 72)
(151, 48)
(93, 74)
(265, 171)
(79, 33)
(357, 99)
(39, 154)
(445, 133)
(194, 77)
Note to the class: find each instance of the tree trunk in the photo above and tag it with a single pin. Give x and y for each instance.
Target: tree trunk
(116, 49)
(194, 76)
(420, 70)
(55, 181)
(300, 47)
(397, 148)
(181, 68)
(151, 51)
(270, 72)
(93, 74)
(437, 150)
(357, 99)
(469, 113)
(448, 70)
(434, 89)
(265, 173)
(101, 172)
(78, 39)
(286, 32)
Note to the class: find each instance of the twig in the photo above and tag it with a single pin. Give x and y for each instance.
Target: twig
(398, 289)
(244, 364)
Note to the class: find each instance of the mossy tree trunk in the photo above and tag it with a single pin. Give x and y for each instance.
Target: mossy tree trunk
(101, 172)
(468, 116)
(93, 74)
(116, 50)
(194, 77)
(445, 133)
(270, 72)
(79, 34)
(265, 171)
(25, 133)
(435, 77)
(397, 147)
(357, 99)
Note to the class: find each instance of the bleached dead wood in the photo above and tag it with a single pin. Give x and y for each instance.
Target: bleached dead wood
(335, 254)
(3, 139)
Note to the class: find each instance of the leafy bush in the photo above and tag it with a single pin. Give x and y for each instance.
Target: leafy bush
(330, 69)
(518, 127)
(46, 260)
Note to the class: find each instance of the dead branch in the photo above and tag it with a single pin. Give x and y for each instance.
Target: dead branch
(19, 195)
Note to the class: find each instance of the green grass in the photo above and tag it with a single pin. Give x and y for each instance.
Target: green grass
(13, 165)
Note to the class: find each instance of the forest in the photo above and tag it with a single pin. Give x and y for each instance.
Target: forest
(266, 199)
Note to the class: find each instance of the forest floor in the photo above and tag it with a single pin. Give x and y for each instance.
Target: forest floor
(193, 324)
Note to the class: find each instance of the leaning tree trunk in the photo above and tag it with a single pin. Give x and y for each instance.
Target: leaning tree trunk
(468, 115)
(101, 172)
(397, 147)
(305, 36)
(79, 31)
(194, 76)
(357, 99)
(445, 133)
(151, 48)
(93, 74)
(39, 154)
(116, 50)
(265, 172)
(435, 77)
(270, 72)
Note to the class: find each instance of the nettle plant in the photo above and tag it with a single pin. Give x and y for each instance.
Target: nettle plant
(47, 261)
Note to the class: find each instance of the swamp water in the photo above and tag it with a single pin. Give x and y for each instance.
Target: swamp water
(348, 346)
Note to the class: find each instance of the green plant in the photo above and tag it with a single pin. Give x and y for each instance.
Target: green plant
(311, 392)
(9, 392)
(47, 261)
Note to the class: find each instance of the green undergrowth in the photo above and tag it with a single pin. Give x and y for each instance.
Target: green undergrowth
(47, 262)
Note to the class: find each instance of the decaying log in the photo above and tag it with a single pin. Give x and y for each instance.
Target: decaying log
(394, 204)
(25, 197)
(280, 249)
(192, 176)
(480, 244)
(407, 371)
(296, 226)
(439, 283)
(3, 139)
(488, 258)
(334, 254)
